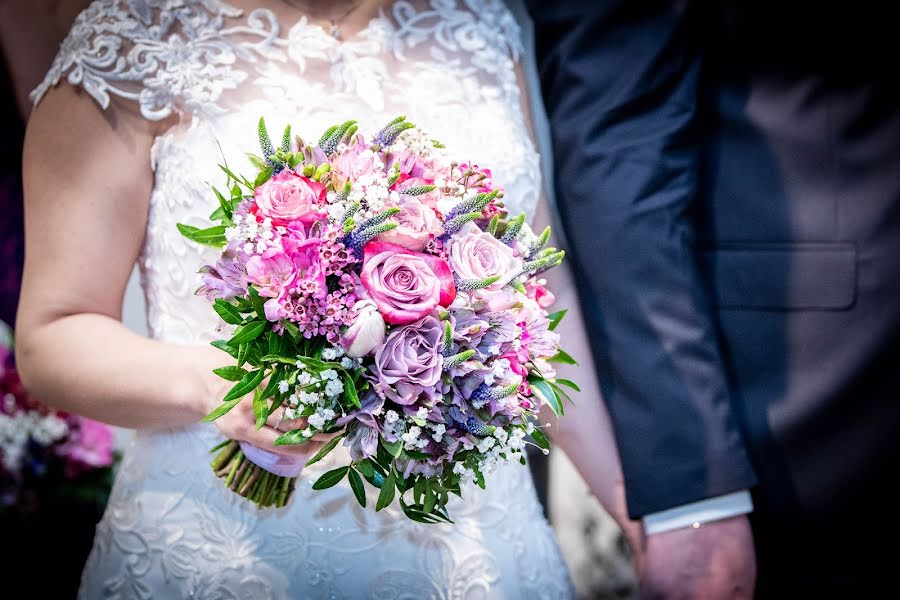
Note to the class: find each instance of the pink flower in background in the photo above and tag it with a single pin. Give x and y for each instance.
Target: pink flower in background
(90, 445)
(409, 363)
(418, 224)
(405, 285)
(476, 254)
(271, 273)
(288, 197)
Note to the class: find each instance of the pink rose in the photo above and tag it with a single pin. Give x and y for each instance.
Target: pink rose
(475, 254)
(418, 224)
(405, 285)
(271, 273)
(288, 197)
(409, 363)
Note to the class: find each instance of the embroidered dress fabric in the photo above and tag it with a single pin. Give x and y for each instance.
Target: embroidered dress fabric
(171, 530)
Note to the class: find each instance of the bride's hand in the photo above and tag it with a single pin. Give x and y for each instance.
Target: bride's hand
(240, 424)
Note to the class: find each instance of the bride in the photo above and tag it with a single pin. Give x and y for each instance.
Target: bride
(143, 100)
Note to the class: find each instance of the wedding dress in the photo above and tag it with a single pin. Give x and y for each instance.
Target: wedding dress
(171, 530)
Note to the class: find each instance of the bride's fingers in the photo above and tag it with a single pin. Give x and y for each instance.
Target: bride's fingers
(265, 438)
(277, 421)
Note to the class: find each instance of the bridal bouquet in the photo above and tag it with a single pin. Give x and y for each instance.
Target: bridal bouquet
(44, 449)
(383, 293)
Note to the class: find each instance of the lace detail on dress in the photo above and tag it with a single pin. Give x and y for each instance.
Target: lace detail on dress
(171, 530)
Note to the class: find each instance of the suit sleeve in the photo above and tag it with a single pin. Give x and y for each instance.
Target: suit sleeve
(620, 83)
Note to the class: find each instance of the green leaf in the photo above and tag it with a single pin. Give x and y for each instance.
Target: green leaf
(234, 177)
(230, 373)
(224, 204)
(358, 487)
(221, 410)
(543, 389)
(218, 215)
(228, 311)
(259, 305)
(263, 176)
(224, 347)
(256, 161)
(260, 408)
(211, 236)
(430, 500)
(331, 478)
(318, 364)
(563, 357)
(247, 333)
(419, 488)
(242, 353)
(540, 439)
(247, 384)
(276, 377)
(366, 467)
(294, 437)
(556, 317)
(350, 391)
(393, 448)
(387, 492)
(323, 452)
(417, 455)
(568, 384)
(419, 516)
(560, 393)
(285, 360)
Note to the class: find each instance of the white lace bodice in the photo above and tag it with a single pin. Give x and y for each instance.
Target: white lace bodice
(212, 69)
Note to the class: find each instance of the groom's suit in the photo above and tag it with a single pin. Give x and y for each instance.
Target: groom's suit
(728, 178)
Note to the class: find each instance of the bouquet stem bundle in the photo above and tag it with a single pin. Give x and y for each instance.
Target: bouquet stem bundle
(249, 480)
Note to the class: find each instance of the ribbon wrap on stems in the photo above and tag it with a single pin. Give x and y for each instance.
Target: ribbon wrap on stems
(277, 464)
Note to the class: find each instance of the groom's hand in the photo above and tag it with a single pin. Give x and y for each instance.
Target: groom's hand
(714, 561)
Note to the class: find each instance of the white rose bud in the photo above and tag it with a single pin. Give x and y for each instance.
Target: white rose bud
(367, 331)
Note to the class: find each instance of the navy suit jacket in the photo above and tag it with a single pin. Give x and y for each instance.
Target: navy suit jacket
(728, 177)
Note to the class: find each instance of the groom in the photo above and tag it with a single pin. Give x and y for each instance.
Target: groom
(728, 177)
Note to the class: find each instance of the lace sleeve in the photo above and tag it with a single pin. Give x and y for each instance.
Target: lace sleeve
(139, 50)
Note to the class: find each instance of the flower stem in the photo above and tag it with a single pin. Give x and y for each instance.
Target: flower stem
(236, 462)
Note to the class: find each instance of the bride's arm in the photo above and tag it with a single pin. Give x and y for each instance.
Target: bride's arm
(585, 433)
(87, 181)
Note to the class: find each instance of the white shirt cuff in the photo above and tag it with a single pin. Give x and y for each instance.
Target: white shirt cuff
(698, 513)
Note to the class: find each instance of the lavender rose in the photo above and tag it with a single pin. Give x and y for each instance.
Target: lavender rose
(476, 254)
(409, 363)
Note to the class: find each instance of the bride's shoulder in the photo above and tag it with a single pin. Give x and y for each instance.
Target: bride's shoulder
(123, 48)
